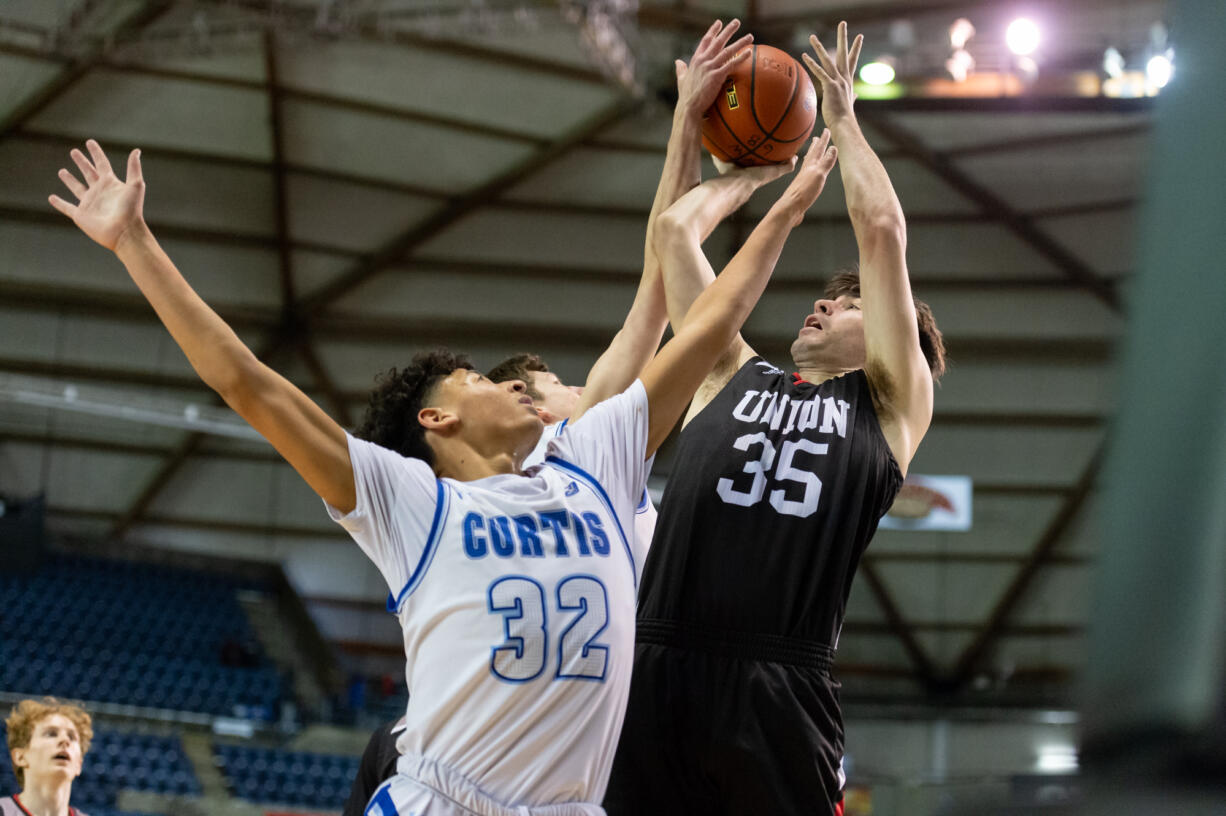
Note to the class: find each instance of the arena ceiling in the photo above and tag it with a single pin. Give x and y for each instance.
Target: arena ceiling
(348, 181)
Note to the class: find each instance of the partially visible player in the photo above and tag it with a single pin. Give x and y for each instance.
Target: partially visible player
(47, 743)
(733, 705)
(515, 591)
(378, 764)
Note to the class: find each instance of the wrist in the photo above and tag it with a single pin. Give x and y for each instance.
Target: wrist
(135, 236)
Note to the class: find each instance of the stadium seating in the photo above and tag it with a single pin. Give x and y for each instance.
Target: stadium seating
(313, 781)
(136, 634)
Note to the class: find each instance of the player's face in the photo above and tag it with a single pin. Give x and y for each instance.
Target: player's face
(832, 337)
(54, 750)
(492, 414)
(559, 400)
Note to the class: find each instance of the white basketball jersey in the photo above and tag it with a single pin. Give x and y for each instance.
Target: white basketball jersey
(516, 595)
(644, 512)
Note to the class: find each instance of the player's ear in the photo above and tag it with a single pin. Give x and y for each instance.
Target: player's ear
(438, 420)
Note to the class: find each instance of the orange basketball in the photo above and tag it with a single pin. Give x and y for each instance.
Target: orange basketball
(765, 111)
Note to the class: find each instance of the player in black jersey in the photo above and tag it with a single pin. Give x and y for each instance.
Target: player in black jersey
(783, 478)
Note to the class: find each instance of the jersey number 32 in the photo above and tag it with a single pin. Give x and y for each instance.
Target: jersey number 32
(521, 602)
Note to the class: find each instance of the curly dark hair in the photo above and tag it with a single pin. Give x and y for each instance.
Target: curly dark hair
(391, 415)
(520, 367)
(932, 343)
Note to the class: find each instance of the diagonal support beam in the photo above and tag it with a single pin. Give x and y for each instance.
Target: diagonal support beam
(1040, 554)
(141, 16)
(403, 245)
(995, 207)
(898, 624)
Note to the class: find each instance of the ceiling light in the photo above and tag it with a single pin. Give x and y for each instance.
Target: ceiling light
(878, 72)
(1022, 36)
(1159, 70)
(1113, 62)
(960, 33)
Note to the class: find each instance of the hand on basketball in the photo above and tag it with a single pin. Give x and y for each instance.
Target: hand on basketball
(836, 75)
(107, 207)
(810, 180)
(700, 80)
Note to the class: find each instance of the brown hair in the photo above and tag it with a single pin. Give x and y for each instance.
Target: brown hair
(520, 367)
(847, 282)
(27, 714)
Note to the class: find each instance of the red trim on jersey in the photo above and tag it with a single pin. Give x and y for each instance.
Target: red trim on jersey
(17, 800)
(838, 809)
(797, 380)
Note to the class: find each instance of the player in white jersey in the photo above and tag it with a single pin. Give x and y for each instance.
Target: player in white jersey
(515, 591)
(557, 404)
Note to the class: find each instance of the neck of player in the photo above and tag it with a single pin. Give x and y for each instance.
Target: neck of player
(46, 796)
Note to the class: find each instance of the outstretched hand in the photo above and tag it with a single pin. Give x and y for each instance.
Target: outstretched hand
(836, 75)
(810, 180)
(107, 207)
(699, 82)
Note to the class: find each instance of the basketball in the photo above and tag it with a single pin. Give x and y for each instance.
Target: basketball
(765, 111)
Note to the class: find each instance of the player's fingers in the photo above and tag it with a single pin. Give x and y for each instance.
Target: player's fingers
(70, 181)
(134, 171)
(829, 157)
(679, 67)
(853, 59)
(722, 38)
(721, 70)
(818, 72)
(823, 57)
(87, 169)
(705, 43)
(739, 47)
(100, 160)
(63, 206)
(840, 48)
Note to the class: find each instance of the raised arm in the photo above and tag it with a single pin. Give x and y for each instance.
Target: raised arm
(110, 212)
(679, 243)
(897, 372)
(639, 338)
(718, 312)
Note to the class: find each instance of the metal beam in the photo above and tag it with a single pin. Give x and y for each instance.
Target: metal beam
(57, 440)
(176, 232)
(1039, 556)
(139, 17)
(403, 245)
(897, 624)
(1020, 225)
(206, 524)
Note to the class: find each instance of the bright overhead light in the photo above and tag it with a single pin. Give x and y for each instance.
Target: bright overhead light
(960, 64)
(960, 33)
(1022, 36)
(1159, 70)
(1057, 759)
(877, 73)
(1113, 62)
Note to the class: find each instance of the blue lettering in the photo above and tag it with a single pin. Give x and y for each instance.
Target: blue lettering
(474, 545)
(556, 520)
(529, 541)
(600, 541)
(581, 534)
(500, 536)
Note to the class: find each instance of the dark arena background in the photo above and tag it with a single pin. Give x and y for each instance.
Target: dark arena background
(347, 181)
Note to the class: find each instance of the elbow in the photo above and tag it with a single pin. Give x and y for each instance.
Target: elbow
(670, 233)
(881, 231)
(239, 383)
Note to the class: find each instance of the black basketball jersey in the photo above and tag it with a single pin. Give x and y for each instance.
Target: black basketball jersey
(777, 487)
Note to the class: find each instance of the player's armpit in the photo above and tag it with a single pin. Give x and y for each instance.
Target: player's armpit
(739, 352)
